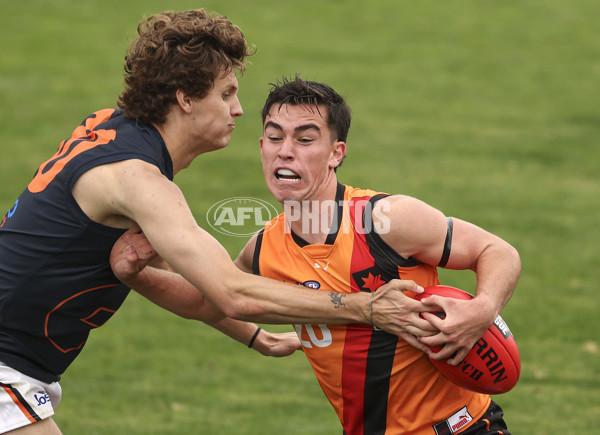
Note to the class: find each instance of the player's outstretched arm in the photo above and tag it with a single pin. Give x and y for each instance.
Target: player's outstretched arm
(143, 195)
(389, 308)
(129, 259)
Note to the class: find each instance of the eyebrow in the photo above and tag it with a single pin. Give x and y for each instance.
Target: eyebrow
(300, 128)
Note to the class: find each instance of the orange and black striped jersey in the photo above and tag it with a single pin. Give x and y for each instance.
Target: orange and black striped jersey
(377, 383)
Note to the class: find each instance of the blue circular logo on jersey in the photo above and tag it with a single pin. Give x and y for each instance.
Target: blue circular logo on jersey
(312, 284)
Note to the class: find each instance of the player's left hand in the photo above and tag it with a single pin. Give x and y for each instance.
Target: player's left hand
(464, 324)
(130, 254)
(276, 344)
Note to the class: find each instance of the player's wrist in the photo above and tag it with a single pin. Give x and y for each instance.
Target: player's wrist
(252, 341)
(371, 309)
(262, 341)
(487, 308)
(364, 310)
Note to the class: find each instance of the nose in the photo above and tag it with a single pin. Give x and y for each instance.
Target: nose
(285, 151)
(236, 108)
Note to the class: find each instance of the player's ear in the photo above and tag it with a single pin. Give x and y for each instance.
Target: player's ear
(183, 100)
(338, 152)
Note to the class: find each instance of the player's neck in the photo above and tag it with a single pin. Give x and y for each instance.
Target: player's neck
(312, 218)
(182, 150)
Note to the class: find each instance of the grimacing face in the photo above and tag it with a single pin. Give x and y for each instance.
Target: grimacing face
(298, 153)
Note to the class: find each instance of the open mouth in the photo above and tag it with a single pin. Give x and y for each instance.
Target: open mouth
(287, 175)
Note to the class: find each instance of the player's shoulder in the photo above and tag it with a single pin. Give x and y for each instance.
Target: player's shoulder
(380, 197)
(401, 206)
(129, 170)
(408, 222)
(397, 208)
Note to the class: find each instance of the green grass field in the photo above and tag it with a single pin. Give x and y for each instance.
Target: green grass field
(487, 110)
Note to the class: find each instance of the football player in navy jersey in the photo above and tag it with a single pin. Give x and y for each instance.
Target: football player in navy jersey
(115, 171)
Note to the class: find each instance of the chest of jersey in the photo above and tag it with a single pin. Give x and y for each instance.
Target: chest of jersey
(371, 378)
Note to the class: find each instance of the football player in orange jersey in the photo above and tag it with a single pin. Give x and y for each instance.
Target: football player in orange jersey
(334, 237)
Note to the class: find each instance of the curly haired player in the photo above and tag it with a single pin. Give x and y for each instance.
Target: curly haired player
(116, 172)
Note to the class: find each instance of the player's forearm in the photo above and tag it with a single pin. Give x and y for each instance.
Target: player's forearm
(170, 291)
(495, 262)
(263, 300)
(238, 330)
(247, 333)
(498, 269)
(248, 297)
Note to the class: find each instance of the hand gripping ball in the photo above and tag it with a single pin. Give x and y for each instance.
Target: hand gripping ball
(493, 365)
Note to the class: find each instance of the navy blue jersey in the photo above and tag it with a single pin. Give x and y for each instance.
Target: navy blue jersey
(56, 283)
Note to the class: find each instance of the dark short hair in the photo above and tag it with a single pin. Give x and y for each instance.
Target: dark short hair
(178, 50)
(297, 91)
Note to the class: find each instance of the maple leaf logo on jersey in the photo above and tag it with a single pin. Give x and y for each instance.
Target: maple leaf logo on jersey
(371, 278)
(372, 282)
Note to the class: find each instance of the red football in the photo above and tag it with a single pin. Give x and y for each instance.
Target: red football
(493, 365)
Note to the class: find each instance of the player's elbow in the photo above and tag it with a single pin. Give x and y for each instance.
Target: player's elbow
(241, 307)
(515, 259)
(504, 254)
(240, 296)
(238, 302)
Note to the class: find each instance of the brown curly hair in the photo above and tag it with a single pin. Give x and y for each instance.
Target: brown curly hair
(178, 50)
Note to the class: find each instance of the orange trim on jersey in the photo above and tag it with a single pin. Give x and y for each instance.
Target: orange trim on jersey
(95, 325)
(83, 138)
(32, 418)
(83, 320)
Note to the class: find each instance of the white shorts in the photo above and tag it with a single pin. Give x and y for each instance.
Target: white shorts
(24, 400)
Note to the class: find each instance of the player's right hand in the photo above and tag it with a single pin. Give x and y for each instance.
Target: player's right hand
(130, 254)
(398, 314)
